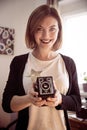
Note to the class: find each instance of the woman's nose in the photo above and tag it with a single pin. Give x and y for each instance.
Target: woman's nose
(45, 34)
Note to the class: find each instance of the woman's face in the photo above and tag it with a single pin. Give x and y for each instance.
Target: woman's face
(46, 33)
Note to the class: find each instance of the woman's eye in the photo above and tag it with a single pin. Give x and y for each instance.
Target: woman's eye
(52, 29)
(39, 29)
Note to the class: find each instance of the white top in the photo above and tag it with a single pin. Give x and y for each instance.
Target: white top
(46, 118)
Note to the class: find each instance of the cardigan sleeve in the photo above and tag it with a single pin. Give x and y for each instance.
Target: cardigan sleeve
(71, 101)
(14, 82)
(10, 88)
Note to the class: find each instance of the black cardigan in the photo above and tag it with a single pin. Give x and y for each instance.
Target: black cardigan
(14, 86)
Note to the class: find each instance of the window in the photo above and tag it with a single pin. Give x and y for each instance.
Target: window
(75, 41)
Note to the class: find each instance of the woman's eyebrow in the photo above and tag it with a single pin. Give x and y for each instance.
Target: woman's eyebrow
(53, 25)
(48, 27)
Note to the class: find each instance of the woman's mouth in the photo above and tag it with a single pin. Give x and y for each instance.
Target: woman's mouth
(46, 41)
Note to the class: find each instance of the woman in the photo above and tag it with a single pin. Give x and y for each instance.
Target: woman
(44, 37)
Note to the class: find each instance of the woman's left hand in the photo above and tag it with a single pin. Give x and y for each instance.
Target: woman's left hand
(53, 102)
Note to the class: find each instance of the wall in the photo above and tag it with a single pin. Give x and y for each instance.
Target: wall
(70, 7)
(13, 14)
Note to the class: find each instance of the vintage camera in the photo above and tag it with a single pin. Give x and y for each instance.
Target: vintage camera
(45, 87)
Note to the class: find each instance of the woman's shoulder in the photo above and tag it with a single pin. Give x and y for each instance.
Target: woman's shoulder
(67, 59)
(21, 57)
(69, 62)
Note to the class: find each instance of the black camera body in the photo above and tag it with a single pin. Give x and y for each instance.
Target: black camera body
(45, 87)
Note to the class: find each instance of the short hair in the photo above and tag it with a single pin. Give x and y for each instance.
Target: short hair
(35, 18)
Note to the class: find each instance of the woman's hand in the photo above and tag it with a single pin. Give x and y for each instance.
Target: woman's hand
(20, 102)
(53, 102)
(35, 100)
(38, 101)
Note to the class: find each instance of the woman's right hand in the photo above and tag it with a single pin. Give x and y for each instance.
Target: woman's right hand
(34, 99)
(20, 102)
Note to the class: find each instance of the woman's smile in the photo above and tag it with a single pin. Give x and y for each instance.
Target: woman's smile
(45, 41)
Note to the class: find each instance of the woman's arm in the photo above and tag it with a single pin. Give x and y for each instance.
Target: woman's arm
(20, 102)
(14, 97)
(71, 101)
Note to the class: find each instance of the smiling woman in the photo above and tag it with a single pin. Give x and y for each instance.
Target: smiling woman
(44, 38)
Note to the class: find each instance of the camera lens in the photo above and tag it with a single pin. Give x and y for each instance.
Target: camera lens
(45, 85)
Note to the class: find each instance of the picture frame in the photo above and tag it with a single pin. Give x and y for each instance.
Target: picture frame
(7, 37)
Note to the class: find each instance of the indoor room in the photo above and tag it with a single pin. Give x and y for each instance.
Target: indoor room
(13, 21)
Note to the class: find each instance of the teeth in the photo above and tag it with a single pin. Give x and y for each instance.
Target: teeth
(45, 41)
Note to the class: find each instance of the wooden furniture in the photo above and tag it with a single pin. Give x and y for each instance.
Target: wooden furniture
(77, 124)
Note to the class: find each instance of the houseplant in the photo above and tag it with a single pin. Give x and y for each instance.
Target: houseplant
(85, 82)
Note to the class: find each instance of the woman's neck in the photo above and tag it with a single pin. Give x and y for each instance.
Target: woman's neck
(44, 54)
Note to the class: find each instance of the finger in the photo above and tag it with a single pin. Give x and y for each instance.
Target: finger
(50, 104)
(40, 103)
(51, 99)
(33, 93)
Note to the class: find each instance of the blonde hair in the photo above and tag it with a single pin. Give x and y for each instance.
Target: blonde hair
(35, 18)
